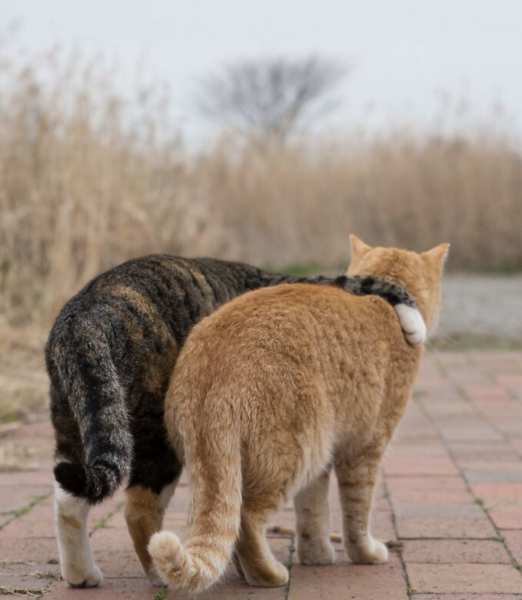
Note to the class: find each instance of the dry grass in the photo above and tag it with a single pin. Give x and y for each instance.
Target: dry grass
(89, 179)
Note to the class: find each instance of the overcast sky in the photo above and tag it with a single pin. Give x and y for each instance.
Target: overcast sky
(406, 54)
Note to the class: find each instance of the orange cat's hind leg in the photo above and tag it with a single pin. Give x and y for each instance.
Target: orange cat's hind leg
(257, 563)
(313, 523)
(356, 485)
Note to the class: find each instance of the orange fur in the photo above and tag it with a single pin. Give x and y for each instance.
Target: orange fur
(271, 392)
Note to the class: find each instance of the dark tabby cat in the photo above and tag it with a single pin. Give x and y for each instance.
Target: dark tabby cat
(110, 355)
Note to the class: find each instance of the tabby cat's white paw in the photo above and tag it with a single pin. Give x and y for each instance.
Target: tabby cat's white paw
(78, 578)
(412, 324)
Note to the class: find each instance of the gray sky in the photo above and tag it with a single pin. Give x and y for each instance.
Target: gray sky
(406, 54)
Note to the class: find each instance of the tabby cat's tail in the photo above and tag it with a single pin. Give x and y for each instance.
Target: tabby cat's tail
(89, 384)
(214, 519)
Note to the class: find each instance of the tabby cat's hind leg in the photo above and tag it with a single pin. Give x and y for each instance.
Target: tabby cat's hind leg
(144, 513)
(258, 564)
(356, 485)
(313, 523)
(76, 560)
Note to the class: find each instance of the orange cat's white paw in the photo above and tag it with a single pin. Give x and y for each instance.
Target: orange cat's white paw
(412, 324)
(374, 553)
(315, 553)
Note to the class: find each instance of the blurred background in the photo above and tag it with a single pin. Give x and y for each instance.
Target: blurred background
(264, 132)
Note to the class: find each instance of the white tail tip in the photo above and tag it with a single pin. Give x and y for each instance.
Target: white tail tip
(412, 324)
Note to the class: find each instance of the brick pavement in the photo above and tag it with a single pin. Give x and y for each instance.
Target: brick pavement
(451, 492)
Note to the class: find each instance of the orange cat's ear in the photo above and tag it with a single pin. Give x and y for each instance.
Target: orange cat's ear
(438, 255)
(358, 248)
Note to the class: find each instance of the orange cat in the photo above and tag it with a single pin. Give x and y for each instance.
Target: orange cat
(273, 391)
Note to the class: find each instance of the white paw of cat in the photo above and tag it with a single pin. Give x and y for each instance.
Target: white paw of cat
(315, 553)
(375, 553)
(412, 324)
(77, 579)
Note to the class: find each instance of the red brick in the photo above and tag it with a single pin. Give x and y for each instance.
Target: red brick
(510, 473)
(458, 579)
(126, 589)
(444, 511)
(455, 551)
(514, 543)
(345, 582)
(507, 517)
(423, 527)
(123, 563)
(423, 483)
(423, 466)
(27, 576)
(485, 391)
(38, 523)
(14, 498)
(27, 478)
(28, 550)
(495, 492)
(510, 381)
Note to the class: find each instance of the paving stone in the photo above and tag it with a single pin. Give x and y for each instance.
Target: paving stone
(32, 550)
(513, 540)
(470, 434)
(507, 517)
(455, 551)
(460, 578)
(347, 582)
(27, 478)
(31, 577)
(126, 589)
(111, 539)
(495, 492)
(509, 381)
(430, 497)
(440, 511)
(413, 465)
(447, 536)
(123, 563)
(423, 527)
(423, 483)
(38, 523)
(15, 498)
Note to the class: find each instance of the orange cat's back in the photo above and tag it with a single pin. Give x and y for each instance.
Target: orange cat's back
(269, 395)
(269, 345)
(295, 323)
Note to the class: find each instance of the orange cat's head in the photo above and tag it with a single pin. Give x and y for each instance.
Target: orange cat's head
(420, 274)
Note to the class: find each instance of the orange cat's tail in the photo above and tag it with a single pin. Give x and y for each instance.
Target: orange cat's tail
(215, 512)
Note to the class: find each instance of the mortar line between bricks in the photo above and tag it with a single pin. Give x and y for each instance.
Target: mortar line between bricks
(427, 414)
(394, 523)
(25, 510)
(102, 523)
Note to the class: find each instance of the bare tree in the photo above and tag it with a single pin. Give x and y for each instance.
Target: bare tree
(270, 97)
